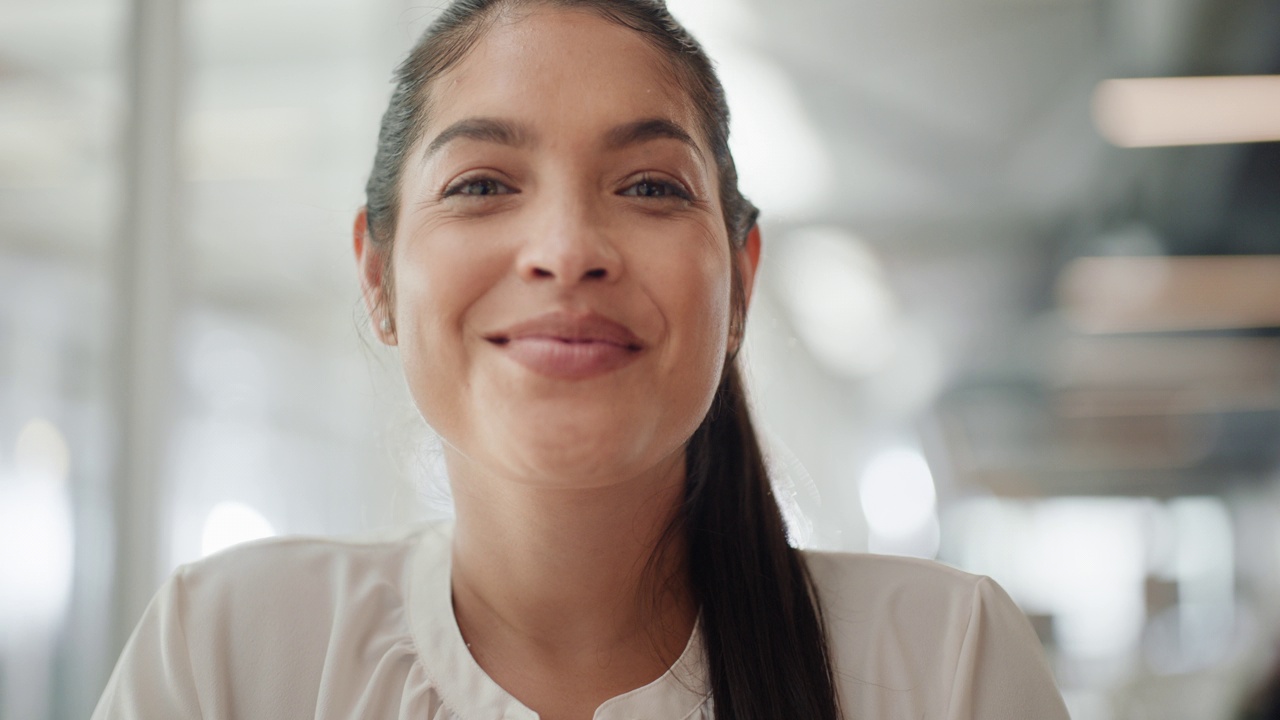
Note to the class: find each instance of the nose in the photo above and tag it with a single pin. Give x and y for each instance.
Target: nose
(569, 244)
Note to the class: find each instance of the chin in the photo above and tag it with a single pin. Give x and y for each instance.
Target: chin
(584, 451)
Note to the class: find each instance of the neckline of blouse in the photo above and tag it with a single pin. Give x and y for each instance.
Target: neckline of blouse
(471, 694)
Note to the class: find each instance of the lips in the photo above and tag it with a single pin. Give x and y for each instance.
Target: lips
(569, 346)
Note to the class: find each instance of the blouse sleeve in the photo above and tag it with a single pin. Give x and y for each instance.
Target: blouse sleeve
(153, 679)
(1001, 671)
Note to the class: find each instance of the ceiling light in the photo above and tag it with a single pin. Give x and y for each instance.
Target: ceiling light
(1150, 112)
(1163, 294)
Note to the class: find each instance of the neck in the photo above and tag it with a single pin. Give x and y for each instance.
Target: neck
(569, 580)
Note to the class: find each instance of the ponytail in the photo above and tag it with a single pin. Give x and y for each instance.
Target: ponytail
(766, 644)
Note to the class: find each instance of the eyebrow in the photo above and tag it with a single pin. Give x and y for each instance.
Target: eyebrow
(642, 131)
(483, 129)
(504, 132)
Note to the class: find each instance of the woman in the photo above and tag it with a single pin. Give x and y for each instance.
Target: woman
(555, 243)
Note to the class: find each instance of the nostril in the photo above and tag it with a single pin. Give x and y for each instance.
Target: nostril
(542, 273)
(595, 273)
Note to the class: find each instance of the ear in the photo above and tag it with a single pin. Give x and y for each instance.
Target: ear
(371, 265)
(748, 259)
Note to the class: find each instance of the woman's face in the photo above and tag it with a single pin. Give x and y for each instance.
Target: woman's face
(561, 264)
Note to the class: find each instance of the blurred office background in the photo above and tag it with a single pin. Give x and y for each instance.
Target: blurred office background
(1012, 315)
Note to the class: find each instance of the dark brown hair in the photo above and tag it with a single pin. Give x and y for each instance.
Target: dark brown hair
(759, 616)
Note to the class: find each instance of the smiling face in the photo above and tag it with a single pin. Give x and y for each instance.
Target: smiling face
(562, 268)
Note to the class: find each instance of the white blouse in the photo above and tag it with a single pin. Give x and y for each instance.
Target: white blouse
(304, 628)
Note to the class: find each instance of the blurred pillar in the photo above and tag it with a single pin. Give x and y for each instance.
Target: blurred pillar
(145, 295)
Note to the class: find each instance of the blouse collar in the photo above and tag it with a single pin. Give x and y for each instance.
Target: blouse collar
(471, 694)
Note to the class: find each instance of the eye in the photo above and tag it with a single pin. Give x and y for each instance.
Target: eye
(653, 188)
(477, 187)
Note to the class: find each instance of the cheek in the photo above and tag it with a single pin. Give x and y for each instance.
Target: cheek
(709, 313)
(697, 360)
(701, 291)
(698, 308)
(436, 283)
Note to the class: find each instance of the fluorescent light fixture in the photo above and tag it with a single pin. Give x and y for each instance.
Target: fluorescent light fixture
(1164, 294)
(1153, 112)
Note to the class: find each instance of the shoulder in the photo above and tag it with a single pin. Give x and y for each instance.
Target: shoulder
(876, 606)
(845, 566)
(916, 638)
(856, 584)
(303, 565)
(272, 628)
(294, 592)
(282, 571)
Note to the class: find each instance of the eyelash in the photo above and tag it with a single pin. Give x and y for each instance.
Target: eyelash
(497, 187)
(670, 189)
(458, 187)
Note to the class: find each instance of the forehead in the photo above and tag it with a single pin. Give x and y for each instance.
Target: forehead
(563, 72)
